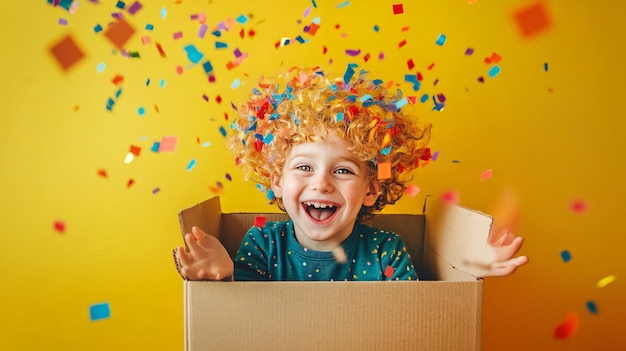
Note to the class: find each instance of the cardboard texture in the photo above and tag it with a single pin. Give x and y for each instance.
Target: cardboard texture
(442, 311)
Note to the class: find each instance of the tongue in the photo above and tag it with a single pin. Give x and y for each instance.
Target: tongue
(320, 214)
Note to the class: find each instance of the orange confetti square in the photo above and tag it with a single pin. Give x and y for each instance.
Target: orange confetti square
(135, 150)
(384, 170)
(568, 327)
(67, 52)
(532, 19)
(486, 174)
(119, 33)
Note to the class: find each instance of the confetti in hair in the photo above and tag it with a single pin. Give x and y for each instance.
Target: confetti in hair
(305, 105)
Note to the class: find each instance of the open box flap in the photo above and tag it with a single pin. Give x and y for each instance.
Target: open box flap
(456, 246)
(205, 215)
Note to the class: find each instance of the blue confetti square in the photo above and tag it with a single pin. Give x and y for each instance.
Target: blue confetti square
(99, 311)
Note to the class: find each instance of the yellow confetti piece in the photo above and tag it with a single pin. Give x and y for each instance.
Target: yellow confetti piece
(605, 281)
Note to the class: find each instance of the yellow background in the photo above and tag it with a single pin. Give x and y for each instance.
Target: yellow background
(551, 147)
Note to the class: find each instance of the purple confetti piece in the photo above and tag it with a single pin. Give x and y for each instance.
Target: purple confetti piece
(155, 190)
(228, 176)
(202, 31)
(63, 21)
(381, 56)
(136, 6)
(178, 35)
(469, 51)
(434, 156)
(481, 79)
(350, 52)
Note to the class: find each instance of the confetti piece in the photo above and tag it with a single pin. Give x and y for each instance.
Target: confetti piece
(135, 7)
(59, 226)
(384, 170)
(102, 173)
(566, 256)
(228, 177)
(486, 174)
(129, 158)
(398, 9)
(435, 155)
(160, 49)
(340, 255)
(63, 21)
(67, 53)
(223, 131)
(469, 51)
(605, 281)
(119, 33)
(163, 13)
(389, 272)
(99, 311)
(494, 58)
(101, 67)
(568, 327)
(141, 111)
(259, 221)
(155, 191)
(343, 4)
(494, 71)
(177, 35)
(578, 206)
(591, 307)
(412, 190)
(350, 52)
(130, 182)
(532, 19)
(235, 84)
(191, 165)
(135, 150)
(97, 28)
(168, 144)
(545, 66)
(450, 197)
(441, 39)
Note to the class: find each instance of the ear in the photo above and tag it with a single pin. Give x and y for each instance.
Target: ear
(277, 186)
(372, 194)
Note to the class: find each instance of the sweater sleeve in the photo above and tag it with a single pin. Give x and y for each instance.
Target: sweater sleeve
(251, 261)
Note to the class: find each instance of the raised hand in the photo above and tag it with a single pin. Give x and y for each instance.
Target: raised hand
(207, 258)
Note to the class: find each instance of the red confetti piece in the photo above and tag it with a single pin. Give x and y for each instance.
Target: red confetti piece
(398, 9)
(578, 206)
(450, 197)
(135, 150)
(59, 226)
(118, 79)
(366, 57)
(410, 65)
(431, 66)
(160, 49)
(402, 43)
(259, 221)
(486, 174)
(389, 272)
(532, 19)
(568, 327)
(102, 173)
(494, 58)
(130, 182)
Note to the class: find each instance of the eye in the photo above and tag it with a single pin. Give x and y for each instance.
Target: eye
(305, 168)
(344, 171)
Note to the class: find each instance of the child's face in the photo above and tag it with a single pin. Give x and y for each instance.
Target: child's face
(323, 187)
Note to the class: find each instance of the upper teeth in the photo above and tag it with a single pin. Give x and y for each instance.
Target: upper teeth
(317, 204)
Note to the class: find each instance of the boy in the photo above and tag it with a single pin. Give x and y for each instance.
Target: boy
(330, 153)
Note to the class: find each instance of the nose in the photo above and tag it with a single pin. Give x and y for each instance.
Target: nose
(322, 183)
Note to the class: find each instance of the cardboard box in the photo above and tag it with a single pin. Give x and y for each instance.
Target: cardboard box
(442, 311)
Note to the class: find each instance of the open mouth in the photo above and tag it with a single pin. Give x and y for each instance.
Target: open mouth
(319, 211)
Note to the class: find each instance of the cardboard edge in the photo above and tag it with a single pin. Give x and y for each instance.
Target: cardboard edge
(441, 267)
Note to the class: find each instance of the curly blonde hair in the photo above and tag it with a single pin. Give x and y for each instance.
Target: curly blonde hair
(308, 108)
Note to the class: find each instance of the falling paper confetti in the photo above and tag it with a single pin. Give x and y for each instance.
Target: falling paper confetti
(259, 221)
(389, 272)
(605, 281)
(99, 311)
(398, 9)
(568, 327)
(486, 174)
(67, 53)
(532, 19)
(412, 190)
(168, 144)
(578, 206)
(450, 197)
(119, 33)
(566, 256)
(59, 226)
(591, 307)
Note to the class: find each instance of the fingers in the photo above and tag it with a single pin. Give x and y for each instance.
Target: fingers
(506, 252)
(507, 267)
